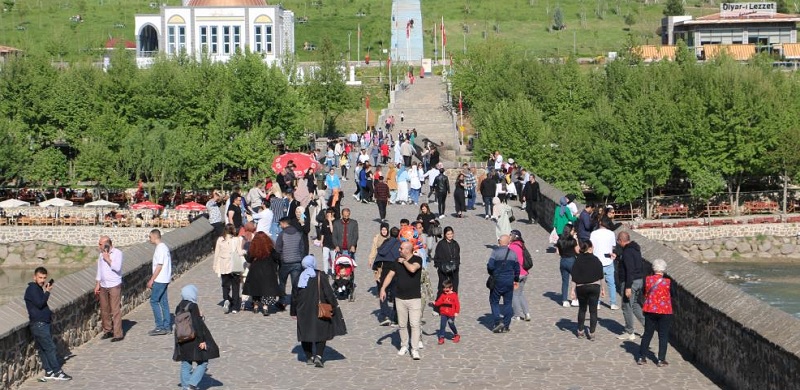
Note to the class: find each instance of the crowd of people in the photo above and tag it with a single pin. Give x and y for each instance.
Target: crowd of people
(265, 235)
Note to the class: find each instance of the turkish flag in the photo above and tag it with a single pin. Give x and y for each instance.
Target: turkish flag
(444, 37)
(367, 102)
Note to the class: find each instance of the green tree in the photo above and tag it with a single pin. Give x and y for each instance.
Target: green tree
(47, 167)
(326, 90)
(674, 8)
(558, 19)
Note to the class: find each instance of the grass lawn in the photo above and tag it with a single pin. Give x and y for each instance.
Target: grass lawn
(593, 27)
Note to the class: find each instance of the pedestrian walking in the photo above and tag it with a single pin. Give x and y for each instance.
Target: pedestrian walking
(158, 284)
(195, 353)
(657, 312)
(108, 289)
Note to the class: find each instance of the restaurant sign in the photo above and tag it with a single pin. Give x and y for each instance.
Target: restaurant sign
(747, 10)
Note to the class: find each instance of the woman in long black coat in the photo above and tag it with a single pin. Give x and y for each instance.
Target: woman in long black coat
(198, 351)
(312, 332)
(460, 196)
(447, 251)
(262, 277)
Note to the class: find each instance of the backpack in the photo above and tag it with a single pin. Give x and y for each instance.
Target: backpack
(527, 262)
(184, 329)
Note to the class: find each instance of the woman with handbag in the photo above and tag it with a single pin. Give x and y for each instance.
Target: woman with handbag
(200, 349)
(317, 312)
(447, 261)
(229, 265)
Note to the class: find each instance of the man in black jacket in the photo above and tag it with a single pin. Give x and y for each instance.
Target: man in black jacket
(632, 272)
(530, 195)
(442, 187)
(488, 189)
(40, 317)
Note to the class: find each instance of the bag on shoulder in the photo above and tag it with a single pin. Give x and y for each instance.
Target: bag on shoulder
(237, 261)
(448, 267)
(527, 260)
(184, 329)
(324, 310)
(511, 215)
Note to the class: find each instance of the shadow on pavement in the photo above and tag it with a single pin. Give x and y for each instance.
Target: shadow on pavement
(127, 325)
(554, 296)
(394, 339)
(487, 321)
(209, 381)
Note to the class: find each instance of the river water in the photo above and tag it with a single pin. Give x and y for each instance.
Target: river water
(774, 282)
(14, 281)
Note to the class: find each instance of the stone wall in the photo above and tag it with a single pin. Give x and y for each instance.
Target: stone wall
(699, 233)
(743, 342)
(75, 235)
(30, 254)
(75, 310)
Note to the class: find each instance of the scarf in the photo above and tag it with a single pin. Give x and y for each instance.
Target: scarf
(563, 206)
(309, 264)
(189, 293)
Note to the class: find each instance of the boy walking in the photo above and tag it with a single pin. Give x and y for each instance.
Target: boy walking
(449, 307)
(40, 316)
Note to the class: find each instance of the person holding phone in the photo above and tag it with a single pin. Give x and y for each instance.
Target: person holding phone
(40, 317)
(108, 289)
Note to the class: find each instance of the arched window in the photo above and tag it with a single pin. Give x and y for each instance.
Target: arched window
(176, 35)
(262, 32)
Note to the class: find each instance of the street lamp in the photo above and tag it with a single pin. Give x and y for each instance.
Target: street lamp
(349, 33)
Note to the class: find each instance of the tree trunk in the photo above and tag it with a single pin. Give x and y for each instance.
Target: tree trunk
(785, 190)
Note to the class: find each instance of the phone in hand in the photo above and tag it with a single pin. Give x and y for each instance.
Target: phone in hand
(107, 247)
(607, 255)
(51, 282)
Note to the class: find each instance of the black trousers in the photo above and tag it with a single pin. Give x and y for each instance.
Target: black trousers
(656, 322)
(441, 198)
(231, 284)
(407, 161)
(382, 208)
(530, 208)
(588, 295)
(309, 348)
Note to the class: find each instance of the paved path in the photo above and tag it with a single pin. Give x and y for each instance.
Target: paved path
(259, 352)
(406, 45)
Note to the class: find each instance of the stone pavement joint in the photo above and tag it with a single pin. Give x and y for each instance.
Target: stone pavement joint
(262, 352)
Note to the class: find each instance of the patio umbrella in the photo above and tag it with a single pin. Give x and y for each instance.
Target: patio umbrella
(191, 206)
(9, 203)
(302, 162)
(147, 205)
(101, 204)
(56, 202)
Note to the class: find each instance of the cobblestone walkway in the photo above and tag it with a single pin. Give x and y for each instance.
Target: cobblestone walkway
(262, 352)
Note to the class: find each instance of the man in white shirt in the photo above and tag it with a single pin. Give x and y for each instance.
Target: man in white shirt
(263, 220)
(431, 176)
(603, 242)
(255, 197)
(498, 161)
(158, 283)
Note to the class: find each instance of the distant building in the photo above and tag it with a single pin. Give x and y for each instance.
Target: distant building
(6, 52)
(741, 29)
(216, 30)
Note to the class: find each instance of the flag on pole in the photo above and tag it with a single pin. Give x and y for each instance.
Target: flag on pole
(359, 30)
(460, 104)
(367, 102)
(444, 37)
(408, 30)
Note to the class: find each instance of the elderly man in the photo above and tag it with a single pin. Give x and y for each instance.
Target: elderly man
(503, 268)
(406, 273)
(632, 275)
(108, 289)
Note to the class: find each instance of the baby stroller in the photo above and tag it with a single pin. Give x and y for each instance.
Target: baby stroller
(344, 276)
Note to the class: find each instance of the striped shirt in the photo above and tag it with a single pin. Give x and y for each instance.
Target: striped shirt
(279, 208)
(470, 182)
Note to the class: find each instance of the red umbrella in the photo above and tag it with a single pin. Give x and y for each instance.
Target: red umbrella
(147, 205)
(301, 162)
(191, 206)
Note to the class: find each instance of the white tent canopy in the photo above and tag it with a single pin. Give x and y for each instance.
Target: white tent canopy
(56, 202)
(9, 203)
(101, 203)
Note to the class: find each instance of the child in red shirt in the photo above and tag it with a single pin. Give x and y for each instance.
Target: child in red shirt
(448, 310)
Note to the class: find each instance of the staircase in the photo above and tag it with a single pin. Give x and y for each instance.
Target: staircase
(406, 44)
(422, 103)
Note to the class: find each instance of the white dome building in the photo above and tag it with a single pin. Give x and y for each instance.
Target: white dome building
(215, 29)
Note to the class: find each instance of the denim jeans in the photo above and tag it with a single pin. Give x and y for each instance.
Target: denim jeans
(487, 205)
(45, 346)
(274, 230)
(494, 303)
(633, 307)
(519, 302)
(293, 270)
(566, 270)
(656, 322)
(470, 199)
(192, 377)
(414, 194)
(608, 273)
(328, 257)
(160, 305)
(449, 321)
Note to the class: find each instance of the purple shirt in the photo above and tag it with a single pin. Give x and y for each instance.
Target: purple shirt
(110, 275)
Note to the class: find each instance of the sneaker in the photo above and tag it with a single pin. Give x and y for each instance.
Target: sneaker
(420, 345)
(498, 328)
(590, 335)
(154, 332)
(527, 317)
(49, 375)
(565, 304)
(581, 333)
(441, 216)
(318, 362)
(234, 311)
(627, 336)
(435, 313)
(441, 340)
(641, 361)
(456, 338)
(614, 307)
(486, 217)
(386, 322)
(415, 355)
(662, 363)
(355, 197)
(226, 306)
(403, 351)
(575, 303)
(62, 376)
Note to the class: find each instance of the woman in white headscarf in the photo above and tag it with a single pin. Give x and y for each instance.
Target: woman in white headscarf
(313, 333)
(197, 351)
(501, 215)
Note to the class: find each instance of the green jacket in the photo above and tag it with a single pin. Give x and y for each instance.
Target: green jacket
(559, 222)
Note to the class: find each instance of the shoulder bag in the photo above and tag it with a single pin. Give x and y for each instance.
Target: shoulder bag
(324, 310)
(448, 266)
(237, 261)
